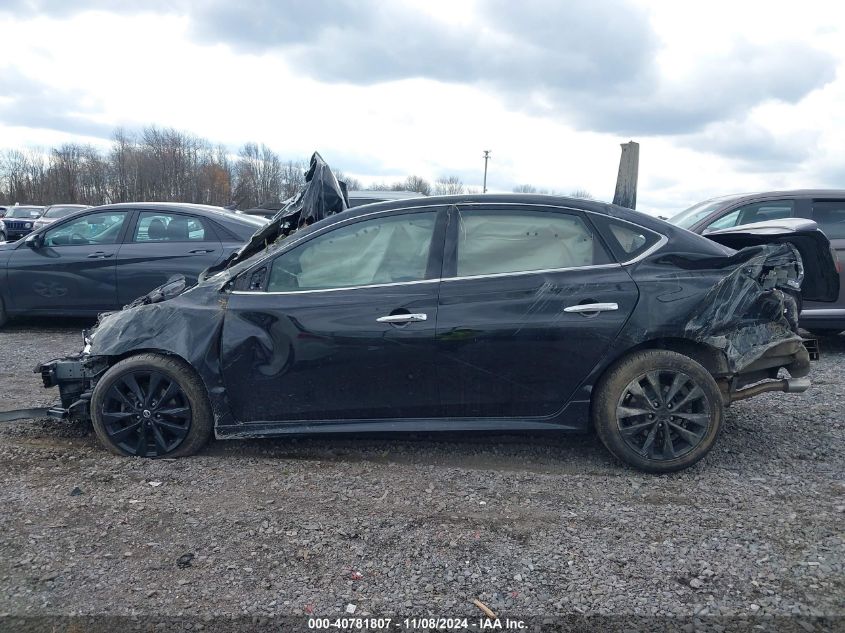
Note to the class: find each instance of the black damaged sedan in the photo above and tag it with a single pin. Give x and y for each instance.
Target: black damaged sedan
(493, 312)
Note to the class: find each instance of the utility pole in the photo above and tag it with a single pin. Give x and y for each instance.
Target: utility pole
(486, 158)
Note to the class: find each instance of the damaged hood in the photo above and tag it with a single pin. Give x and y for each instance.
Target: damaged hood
(821, 277)
(322, 196)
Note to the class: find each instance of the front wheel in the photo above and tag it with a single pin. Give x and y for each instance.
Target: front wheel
(151, 405)
(2, 237)
(657, 410)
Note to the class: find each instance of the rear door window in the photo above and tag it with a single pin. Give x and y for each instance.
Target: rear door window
(830, 216)
(509, 241)
(155, 226)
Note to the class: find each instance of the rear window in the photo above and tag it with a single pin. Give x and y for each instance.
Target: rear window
(830, 216)
(24, 212)
(627, 241)
(60, 212)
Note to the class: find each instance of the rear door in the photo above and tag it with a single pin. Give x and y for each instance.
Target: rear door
(74, 270)
(530, 302)
(160, 245)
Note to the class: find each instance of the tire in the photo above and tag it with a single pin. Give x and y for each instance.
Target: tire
(151, 405)
(2, 236)
(3, 317)
(824, 331)
(691, 409)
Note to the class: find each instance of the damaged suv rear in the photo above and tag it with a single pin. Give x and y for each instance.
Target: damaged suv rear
(459, 313)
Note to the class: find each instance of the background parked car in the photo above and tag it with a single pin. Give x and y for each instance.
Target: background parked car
(105, 257)
(2, 212)
(367, 196)
(19, 221)
(825, 207)
(56, 211)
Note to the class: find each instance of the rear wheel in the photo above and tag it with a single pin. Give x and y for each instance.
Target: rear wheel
(3, 317)
(151, 405)
(657, 410)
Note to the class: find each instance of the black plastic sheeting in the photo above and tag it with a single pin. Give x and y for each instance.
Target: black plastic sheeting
(322, 196)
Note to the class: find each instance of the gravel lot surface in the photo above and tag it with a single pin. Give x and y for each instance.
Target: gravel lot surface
(422, 525)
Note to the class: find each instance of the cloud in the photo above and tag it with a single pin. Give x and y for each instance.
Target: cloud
(754, 148)
(594, 65)
(30, 103)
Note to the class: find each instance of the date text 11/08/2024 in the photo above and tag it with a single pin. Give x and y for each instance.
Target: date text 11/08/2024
(421, 623)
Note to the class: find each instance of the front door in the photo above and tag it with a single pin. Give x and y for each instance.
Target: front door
(530, 302)
(342, 327)
(73, 271)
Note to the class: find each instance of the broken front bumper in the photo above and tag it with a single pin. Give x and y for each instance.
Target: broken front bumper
(75, 377)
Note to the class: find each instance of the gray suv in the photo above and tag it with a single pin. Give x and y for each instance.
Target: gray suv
(826, 207)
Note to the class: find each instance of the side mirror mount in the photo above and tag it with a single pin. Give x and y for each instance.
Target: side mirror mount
(35, 241)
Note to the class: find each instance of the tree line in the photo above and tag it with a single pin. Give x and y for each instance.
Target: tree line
(164, 164)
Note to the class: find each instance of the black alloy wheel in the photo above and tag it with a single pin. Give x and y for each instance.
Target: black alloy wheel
(658, 410)
(146, 413)
(152, 405)
(663, 414)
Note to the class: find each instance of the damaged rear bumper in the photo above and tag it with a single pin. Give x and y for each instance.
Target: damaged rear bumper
(762, 374)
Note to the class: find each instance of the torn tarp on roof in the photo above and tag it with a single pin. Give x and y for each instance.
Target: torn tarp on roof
(322, 196)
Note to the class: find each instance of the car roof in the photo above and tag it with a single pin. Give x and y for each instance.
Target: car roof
(783, 193)
(382, 195)
(202, 209)
(538, 200)
(490, 198)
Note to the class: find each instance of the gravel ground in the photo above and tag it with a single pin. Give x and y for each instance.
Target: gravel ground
(422, 525)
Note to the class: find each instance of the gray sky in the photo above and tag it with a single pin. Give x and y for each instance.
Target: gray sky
(723, 96)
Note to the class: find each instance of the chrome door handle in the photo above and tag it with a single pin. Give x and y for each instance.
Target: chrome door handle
(402, 318)
(100, 255)
(592, 307)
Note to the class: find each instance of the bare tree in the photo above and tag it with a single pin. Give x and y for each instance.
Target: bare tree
(448, 185)
(581, 193)
(418, 184)
(525, 189)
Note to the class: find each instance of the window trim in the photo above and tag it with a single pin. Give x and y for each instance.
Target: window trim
(445, 210)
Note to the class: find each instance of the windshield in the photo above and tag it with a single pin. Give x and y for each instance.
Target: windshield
(687, 218)
(60, 212)
(24, 212)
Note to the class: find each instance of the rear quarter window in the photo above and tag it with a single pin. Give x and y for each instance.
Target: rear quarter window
(626, 240)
